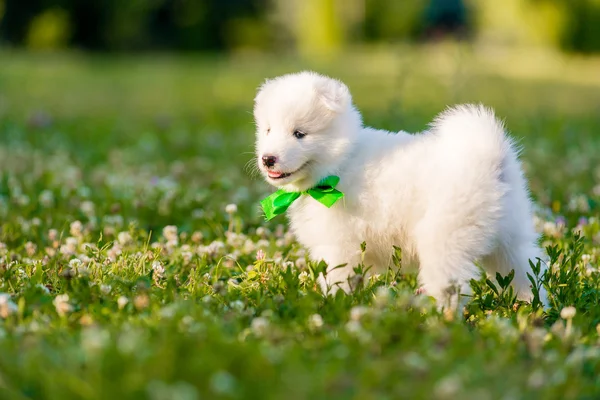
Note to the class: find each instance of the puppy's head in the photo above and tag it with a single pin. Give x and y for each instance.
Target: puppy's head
(305, 127)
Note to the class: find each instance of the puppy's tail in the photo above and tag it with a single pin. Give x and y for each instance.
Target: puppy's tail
(473, 133)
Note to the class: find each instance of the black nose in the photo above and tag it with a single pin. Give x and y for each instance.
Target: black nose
(269, 161)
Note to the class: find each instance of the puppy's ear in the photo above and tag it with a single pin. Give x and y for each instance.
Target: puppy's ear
(334, 94)
(261, 90)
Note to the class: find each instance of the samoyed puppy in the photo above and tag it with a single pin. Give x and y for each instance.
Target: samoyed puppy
(451, 197)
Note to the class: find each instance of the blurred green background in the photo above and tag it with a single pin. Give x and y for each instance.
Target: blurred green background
(303, 25)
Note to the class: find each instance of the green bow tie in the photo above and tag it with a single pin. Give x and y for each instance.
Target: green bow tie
(325, 193)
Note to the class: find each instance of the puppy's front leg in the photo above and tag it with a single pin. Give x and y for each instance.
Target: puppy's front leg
(341, 261)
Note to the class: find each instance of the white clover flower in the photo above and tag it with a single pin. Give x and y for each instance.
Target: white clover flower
(93, 338)
(75, 263)
(30, 248)
(114, 252)
(237, 305)
(122, 302)
(197, 237)
(300, 263)
(249, 247)
(170, 233)
(260, 326)
(158, 268)
(260, 255)
(448, 387)
(76, 228)
(262, 243)
(187, 256)
(141, 301)
(215, 247)
(550, 229)
(303, 277)
(46, 198)
(357, 312)
(7, 307)
(105, 288)
(61, 303)
(382, 296)
(124, 238)
(260, 231)
(234, 239)
(354, 327)
(568, 313)
(315, 322)
(231, 208)
(70, 246)
(87, 207)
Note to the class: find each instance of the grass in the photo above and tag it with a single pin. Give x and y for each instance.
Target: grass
(122, 274)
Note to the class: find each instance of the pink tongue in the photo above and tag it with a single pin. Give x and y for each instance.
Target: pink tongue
(274, 174)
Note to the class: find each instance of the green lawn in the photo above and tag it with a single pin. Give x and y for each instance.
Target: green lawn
(123, 276)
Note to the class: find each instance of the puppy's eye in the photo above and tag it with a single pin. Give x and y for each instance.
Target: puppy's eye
(299, 134)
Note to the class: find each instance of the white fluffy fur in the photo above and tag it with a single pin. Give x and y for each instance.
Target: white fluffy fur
(449, 197)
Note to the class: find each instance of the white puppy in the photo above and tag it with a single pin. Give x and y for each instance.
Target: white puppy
(448, 197)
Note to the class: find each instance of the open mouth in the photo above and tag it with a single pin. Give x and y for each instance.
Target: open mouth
(281, 175)
(278, 174)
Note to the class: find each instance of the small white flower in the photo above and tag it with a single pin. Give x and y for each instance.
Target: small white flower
(237, 305)
(197, 237)
(354, 327)
(356, 313)
(105, 288)
(46, 199)
(7, 307)
(586, 258)
(158, 268)
(259, 326)
(170, 233)
(124, 238)
(75, 263)
(122, 302)
(315, 322)
(61, 303)
(87, 207)
(187, 256)
(260, 255)
(303, 277)
(30, 248)
(76, 228)
(568, 312)
(448, 387)
(231, 208)
(215, 247)
(382, 295)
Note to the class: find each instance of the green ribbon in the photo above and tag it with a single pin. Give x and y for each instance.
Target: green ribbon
(325, 193)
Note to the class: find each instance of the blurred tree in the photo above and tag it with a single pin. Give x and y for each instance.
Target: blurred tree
(446, 17)
(49, 30)
(582, 30)
(521, 22)
(393, 20)
(318, 27)
(304, 25)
